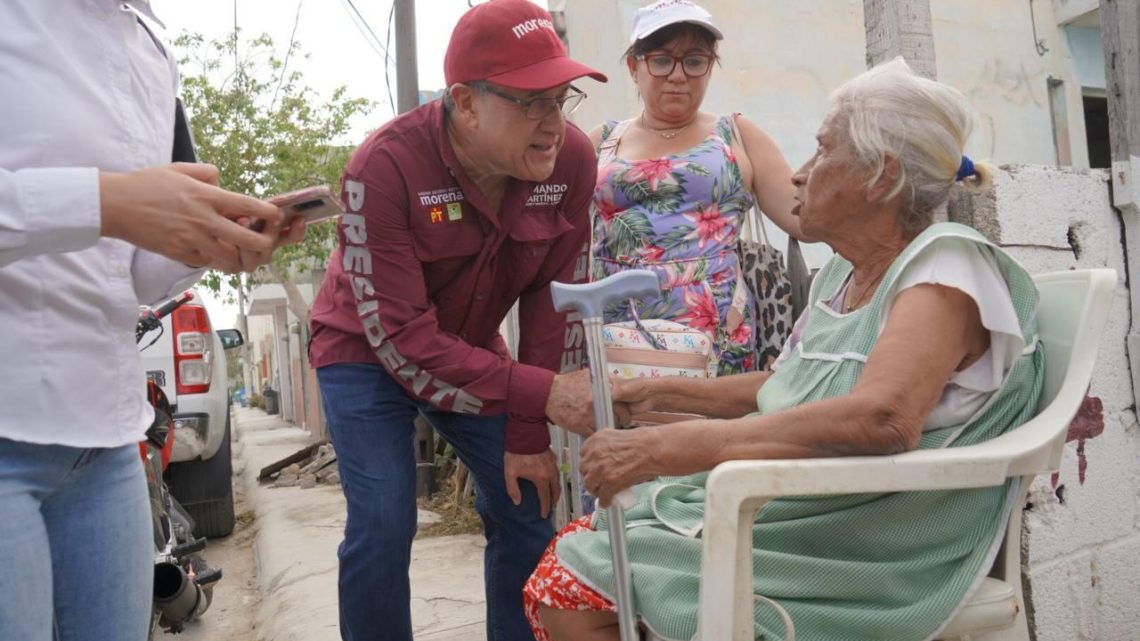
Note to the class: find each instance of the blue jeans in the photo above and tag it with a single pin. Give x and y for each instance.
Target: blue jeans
(370, 421)
(77, 558)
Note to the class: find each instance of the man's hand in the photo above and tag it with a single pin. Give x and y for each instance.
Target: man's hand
(540, 469)
(569, 405)
(179, 212)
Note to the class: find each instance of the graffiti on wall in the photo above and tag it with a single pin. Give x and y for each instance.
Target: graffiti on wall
(1087, 424)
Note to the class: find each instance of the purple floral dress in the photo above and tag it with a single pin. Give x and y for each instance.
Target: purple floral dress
(680, 216)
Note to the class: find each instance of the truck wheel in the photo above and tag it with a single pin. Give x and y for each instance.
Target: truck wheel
(205, 489)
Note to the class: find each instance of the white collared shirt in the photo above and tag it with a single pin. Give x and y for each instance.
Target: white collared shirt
(85, 89)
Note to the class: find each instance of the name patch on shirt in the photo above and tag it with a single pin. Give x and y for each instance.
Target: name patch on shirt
(546, 195)
(443, 204)
(440, 196)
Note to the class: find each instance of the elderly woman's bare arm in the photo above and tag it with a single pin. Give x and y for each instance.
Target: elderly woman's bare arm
(932, 332)
(723, 397)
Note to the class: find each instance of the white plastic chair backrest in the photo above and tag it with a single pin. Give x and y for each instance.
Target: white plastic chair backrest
(1066, 299)
(1071, 317)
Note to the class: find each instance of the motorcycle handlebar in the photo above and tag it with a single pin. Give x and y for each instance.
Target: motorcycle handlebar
(172, 304)
(152, 319)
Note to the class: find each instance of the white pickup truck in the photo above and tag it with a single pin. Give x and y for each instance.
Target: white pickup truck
(188, 361)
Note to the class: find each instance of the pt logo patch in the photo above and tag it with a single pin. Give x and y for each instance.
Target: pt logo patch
(454, 211)
(437, 201)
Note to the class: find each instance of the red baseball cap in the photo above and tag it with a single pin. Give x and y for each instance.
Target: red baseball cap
(510, 43)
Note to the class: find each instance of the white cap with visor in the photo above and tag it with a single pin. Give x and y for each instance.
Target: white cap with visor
(666, 12)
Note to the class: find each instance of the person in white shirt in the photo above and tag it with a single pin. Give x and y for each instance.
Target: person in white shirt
(94, 220)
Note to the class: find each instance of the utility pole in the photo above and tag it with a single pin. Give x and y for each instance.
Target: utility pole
(1120, 30)
(247, 349)
(408, 98)
(900, 28)
(407, 73)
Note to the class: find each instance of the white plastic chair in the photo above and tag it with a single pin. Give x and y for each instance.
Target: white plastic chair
(1073, 311)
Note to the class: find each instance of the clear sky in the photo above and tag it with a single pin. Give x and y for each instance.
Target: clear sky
(336, 50)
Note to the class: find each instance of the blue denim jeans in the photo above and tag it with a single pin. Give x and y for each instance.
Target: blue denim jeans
(77, 551)
(370, 421)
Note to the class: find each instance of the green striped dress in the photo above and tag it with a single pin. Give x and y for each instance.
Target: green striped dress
(868, 566)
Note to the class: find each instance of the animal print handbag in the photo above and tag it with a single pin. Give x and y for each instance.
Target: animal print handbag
(764, 273)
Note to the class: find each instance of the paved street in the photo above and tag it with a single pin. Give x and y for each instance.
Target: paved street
(280, 564)
(237, 597)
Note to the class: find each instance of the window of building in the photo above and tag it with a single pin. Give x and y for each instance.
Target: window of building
(1096, 130)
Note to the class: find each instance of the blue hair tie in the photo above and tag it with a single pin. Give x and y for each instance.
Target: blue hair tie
(966, 169)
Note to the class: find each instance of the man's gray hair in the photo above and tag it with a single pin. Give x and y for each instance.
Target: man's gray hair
(478, 86)
(890, 111)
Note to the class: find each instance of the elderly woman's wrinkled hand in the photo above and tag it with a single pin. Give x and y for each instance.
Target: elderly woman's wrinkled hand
(633, 394)
(613, 460)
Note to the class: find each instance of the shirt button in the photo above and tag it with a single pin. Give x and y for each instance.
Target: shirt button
(480, 296)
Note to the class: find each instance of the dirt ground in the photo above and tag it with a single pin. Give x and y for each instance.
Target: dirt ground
(233, 612)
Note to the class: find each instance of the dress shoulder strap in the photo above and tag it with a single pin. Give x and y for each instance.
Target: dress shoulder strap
(726, 128)
(612, 131)
(607, 129)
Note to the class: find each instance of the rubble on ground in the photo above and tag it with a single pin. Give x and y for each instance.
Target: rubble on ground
(306, 468)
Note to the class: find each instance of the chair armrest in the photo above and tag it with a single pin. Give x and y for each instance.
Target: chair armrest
(1029, 449)
(734, 481)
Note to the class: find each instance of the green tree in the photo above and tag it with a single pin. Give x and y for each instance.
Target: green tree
(268, 133)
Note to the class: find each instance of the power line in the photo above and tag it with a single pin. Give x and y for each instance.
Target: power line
(374, 41)
(288, 52)
(387, 60)
(364, 22)
(364, 29)
(236, 65)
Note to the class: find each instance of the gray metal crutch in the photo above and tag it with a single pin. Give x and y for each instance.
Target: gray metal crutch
(590, 300)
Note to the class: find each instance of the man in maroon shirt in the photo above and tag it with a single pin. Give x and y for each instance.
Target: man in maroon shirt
(455, 211)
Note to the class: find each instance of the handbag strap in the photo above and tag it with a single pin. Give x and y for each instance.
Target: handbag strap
(753, 217)
(649, 336)
(785, 618)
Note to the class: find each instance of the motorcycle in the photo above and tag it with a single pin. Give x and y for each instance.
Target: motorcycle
(183, 581)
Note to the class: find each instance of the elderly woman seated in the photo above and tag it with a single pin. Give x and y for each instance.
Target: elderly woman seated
(918, 335)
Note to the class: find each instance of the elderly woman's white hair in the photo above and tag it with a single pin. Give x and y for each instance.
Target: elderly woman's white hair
(889, 111)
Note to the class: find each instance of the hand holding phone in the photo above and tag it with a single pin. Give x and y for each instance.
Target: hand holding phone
(313, 204)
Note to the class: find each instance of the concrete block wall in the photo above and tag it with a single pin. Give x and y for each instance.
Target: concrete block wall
(1082, 535)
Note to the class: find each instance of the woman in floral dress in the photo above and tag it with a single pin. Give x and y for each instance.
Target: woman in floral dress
(675, 184)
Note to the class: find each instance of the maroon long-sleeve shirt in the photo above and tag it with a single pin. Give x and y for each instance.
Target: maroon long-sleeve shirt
(425, 272)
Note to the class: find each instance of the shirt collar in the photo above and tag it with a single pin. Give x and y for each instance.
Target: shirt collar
(143, 7)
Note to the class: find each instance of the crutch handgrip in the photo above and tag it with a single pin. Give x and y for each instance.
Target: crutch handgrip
(625, 499)
(590, 299)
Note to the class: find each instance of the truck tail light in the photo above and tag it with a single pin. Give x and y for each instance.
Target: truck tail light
(193, 347)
